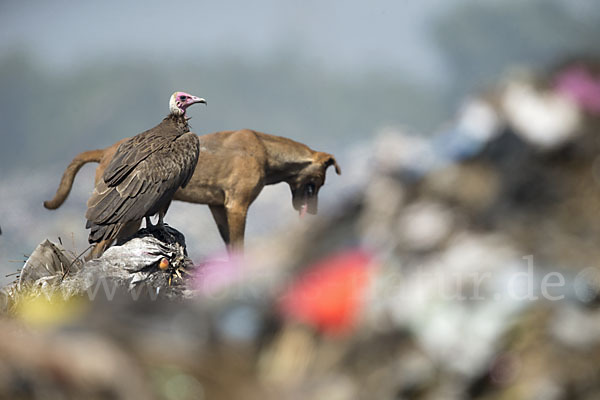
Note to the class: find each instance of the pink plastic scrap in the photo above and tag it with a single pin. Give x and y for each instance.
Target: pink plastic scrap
(578, 84)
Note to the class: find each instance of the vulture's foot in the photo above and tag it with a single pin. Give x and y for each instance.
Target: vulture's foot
(165, 232)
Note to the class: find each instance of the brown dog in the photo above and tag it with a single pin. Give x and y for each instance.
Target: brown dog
(233, 167)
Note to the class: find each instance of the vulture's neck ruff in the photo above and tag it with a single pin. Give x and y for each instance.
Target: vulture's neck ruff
(179, 121)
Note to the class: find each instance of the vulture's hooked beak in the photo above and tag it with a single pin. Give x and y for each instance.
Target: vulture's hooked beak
(194, 100)
(197, 100)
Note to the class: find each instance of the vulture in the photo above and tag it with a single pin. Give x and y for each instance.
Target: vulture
(144, 173)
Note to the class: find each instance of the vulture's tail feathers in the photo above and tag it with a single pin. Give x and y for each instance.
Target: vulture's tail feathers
(99, 233)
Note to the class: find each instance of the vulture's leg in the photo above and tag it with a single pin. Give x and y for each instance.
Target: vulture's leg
(161, 216)
(220, 217)
(148, 223)
(161, 226)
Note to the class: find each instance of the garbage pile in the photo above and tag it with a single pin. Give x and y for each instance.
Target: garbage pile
(467, 267)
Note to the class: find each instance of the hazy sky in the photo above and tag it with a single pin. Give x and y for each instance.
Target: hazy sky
(341, 35)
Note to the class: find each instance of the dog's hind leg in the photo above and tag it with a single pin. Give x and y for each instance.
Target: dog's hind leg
(125, 232)
(220, 217)
(98, 249)
(128, 230)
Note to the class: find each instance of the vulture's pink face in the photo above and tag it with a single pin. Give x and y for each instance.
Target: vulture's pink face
(180, 101)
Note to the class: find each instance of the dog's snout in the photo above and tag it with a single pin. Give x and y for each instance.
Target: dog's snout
(310, 189)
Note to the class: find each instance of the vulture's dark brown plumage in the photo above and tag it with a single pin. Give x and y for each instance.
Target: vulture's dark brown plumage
(142, 177)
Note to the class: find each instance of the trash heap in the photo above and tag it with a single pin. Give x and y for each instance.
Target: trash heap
(467, 267)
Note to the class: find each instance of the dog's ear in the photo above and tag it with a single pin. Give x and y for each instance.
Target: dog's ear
(326, 160)
(332, 161)
(329, 160)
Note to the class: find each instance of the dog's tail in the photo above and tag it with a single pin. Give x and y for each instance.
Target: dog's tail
(66, 183)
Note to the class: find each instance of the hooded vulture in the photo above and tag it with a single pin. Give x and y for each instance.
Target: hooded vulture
(144, 173)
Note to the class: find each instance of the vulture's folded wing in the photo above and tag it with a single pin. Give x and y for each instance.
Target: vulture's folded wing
(131, 152)
(148, 184)
(188, 148)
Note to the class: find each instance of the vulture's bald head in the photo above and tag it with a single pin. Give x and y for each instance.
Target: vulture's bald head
(180, 101)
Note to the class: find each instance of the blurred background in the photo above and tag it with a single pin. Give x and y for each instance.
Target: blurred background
(467, 133)
(77, 76)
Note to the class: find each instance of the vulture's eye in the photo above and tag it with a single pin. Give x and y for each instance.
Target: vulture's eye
(182, 97)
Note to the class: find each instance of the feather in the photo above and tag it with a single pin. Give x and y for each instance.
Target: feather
(142, 177)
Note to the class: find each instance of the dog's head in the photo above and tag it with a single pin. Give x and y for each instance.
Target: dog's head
(306, 184)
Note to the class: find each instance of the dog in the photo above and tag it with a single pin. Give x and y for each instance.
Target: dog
(233, 167)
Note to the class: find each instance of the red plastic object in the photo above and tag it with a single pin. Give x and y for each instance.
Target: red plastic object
(329, 295)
